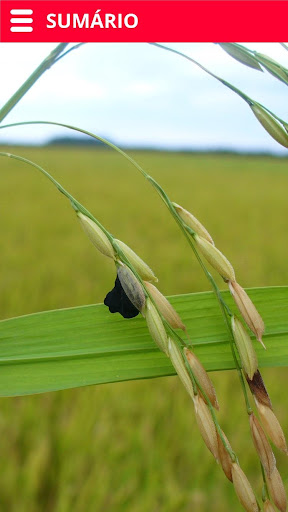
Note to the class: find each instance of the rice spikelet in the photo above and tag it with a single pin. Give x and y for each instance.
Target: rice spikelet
(245, 347)
(215, 257)
(202, 376)
(96, 235)
(247, 310)
(193, 223)
(272, 426)
(155, 326)
(224, 457)
(165, 307)
(243, 489)
(277, 490)
(258, 389)
(140, 266)
(262, 445)
(206, 425)
(131, 286)
(176, 357)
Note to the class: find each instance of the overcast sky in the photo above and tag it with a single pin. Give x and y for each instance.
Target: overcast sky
(136, 94)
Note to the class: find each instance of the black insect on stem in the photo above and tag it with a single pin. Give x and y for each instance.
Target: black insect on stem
(118, 302)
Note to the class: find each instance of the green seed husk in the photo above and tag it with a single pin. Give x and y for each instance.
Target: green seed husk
(165, 307)
(273, 67)
(193, 223)
(240, 55)
(176, 357)
(96, 235)
(270, 124)
(215, 257)
(140, 266)
(155, 326)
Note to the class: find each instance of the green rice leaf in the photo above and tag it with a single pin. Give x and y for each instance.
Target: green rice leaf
(87, 345)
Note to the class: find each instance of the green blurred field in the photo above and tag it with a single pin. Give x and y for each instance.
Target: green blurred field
(130, 447)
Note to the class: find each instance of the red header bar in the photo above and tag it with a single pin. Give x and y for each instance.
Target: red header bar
(143, 20)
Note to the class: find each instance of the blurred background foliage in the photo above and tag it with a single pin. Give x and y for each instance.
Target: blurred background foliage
(130, 447)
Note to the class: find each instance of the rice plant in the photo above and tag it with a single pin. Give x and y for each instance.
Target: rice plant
(135, 294)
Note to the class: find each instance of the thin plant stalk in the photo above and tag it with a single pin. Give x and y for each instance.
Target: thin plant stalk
(18, 95)
(244, 96)
(240, 93)
(75, 47)
(230, 86)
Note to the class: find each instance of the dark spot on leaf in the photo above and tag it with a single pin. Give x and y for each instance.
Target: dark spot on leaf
(118, 302)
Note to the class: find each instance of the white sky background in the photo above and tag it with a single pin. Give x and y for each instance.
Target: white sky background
(136, 94)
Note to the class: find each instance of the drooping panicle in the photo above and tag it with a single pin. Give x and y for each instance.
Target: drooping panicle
(245, 347)
(140, 266)
(96, 235)
(193, 223)
(202, 377)
(247, 310)
(165, 307)
(215, 257)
